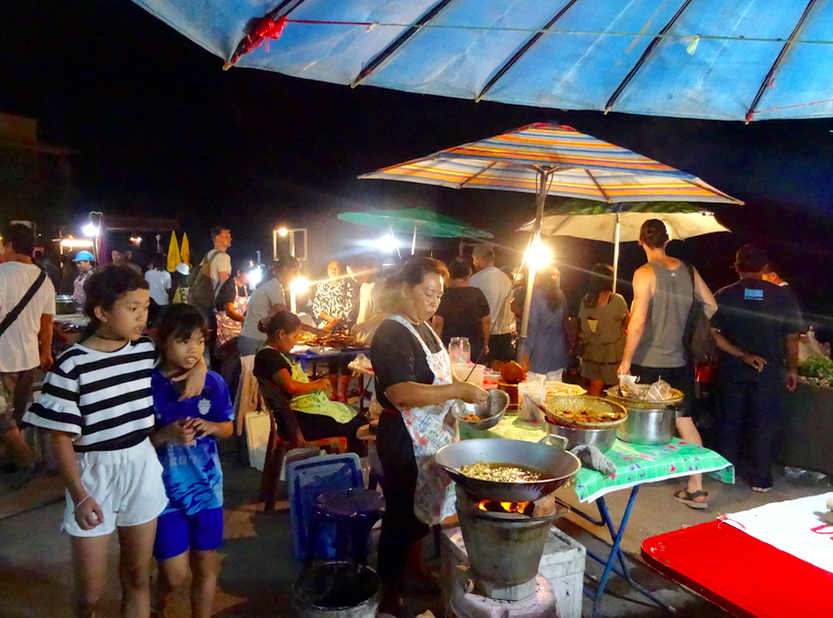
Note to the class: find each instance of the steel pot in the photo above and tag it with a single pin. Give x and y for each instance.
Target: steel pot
(649, 426)
(602, 439)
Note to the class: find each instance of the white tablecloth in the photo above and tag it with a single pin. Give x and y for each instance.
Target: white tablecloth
(793, 526)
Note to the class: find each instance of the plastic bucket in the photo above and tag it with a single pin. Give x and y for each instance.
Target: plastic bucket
(337, 590)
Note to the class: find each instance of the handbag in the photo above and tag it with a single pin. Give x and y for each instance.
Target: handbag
(12, 315)
(697, 340)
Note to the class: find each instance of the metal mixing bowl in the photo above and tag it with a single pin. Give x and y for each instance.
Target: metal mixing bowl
(490, 411)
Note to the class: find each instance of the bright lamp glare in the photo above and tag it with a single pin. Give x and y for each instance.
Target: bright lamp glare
(283, 231)
(299, 285)
(386, 243)
(72, 243)
(255, 275)
(90, 230)
(538, 255)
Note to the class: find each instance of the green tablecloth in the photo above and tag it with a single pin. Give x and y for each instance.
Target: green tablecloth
(635, 463)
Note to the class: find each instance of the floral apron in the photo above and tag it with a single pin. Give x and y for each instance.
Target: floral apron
(227, 328)
(431, 427)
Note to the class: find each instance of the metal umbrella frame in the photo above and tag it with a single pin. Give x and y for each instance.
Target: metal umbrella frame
(548, 159)
(605, 223)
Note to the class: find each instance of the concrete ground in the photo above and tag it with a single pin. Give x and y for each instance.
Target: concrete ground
(258, 569)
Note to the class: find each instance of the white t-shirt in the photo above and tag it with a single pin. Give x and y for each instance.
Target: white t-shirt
(262, 304)
(159, 282)
(370, 299)
(496, 287)
(19, 349)
(221, 264)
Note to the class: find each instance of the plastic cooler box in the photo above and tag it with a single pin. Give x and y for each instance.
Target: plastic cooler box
(562, 565)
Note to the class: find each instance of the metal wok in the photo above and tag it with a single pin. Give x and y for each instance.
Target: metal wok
(558, 464)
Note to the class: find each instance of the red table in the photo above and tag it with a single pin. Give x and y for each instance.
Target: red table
(740, 574)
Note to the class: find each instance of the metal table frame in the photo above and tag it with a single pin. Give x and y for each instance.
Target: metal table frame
(615, 552)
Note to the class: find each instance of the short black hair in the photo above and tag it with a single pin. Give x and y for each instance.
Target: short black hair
(750, 259)
(459, 268)
(21, 237)
(217, 230)
(179, 321)
(104, 287)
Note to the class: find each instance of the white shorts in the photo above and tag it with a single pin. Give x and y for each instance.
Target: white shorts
(127, 484)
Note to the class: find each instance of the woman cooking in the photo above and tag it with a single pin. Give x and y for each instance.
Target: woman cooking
(416, 389)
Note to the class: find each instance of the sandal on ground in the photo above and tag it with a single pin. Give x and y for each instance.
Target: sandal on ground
(761, 490)
(690, 499)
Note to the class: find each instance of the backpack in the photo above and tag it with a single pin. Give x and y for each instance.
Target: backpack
(697, 341)
(200, 286)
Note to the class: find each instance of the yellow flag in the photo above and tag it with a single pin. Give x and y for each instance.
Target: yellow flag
(185, 251)
(173, 253)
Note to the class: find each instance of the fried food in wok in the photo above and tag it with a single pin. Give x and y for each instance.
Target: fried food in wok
(502, 472)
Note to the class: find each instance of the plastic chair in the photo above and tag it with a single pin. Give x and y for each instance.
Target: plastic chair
(284, 434)
(353, 513)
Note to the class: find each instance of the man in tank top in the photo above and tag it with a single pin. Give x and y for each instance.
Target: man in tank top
(662, 297)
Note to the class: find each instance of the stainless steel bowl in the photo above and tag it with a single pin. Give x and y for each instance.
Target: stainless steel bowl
(490, 411)
(602, 439)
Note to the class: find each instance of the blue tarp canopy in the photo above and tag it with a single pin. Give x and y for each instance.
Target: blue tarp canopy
(712, 59)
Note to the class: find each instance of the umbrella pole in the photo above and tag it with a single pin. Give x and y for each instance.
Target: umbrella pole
(616, 234)
(413, 242)
(530, 280)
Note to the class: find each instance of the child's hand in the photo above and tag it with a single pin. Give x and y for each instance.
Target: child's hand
(180, 432)
(88, 514)
(322, 385)
(203, 427)
(194, 380)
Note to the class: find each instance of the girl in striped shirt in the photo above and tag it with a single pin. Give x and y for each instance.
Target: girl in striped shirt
(96, 402)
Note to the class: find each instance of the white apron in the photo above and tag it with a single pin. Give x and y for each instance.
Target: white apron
(431, 427)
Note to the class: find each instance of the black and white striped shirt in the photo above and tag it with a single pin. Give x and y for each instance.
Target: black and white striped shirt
(103, 398)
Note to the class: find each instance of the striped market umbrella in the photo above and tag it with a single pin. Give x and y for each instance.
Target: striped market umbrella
(548, 159)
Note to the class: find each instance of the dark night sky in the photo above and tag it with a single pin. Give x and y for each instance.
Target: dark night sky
(159, 129)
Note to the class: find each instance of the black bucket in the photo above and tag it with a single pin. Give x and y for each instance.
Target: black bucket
(337, 590)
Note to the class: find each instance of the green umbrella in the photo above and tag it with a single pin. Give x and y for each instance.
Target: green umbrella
(413, 220)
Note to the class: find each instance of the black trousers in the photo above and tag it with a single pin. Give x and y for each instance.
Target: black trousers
(318, 427)
(751, 411)
(400, 526)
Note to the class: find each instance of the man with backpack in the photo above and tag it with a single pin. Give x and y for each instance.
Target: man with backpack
(27, 304)
(206, 279)
(213, 271)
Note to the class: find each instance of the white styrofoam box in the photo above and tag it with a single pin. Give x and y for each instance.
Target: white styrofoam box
(257, 437)
(562, 565)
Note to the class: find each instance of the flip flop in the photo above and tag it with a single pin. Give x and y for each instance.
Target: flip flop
(689, 499)
(761, 490)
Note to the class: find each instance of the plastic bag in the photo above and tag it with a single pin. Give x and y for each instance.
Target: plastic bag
(627, 386)
(659, 390)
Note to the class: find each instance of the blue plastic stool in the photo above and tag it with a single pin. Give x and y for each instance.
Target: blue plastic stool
(353, 512)
(308, 479)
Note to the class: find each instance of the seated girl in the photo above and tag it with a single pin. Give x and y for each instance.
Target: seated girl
(317, 416)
